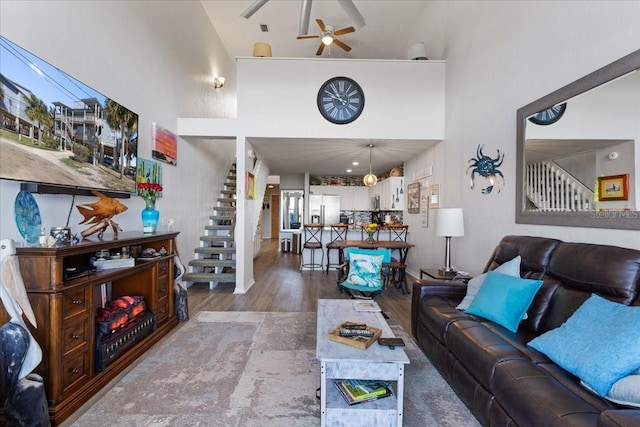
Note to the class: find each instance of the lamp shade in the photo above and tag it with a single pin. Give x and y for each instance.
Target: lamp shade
(262, 49)
(449, 222)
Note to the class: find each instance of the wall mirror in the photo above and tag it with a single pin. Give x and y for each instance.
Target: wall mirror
(292, 209)
(570, 138)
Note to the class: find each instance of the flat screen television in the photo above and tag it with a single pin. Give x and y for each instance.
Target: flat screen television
(58, 135)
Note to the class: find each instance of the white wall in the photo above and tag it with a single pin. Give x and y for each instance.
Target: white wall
(277, 98)
(157, 60)
(501, 56)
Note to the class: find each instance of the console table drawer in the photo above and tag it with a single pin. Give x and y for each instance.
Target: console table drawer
(163, 309)
(74, 336)
(75, 302)
(75, 370)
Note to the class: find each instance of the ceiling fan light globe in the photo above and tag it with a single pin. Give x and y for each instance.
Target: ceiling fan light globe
(370, 180)
(327, 40)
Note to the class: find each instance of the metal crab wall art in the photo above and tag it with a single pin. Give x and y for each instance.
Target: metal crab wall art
(486, 167)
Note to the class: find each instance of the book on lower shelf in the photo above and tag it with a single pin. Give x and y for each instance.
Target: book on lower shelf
(361, 391)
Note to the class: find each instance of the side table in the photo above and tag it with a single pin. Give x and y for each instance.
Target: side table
(434, 274)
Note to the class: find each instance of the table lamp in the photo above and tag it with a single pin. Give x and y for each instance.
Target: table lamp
(449, 223)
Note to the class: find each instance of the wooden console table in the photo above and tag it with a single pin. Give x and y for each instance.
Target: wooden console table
(65, 311)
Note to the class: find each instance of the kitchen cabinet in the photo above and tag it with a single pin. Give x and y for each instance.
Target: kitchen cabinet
(352, 198)
(391, 199)
(65, 308)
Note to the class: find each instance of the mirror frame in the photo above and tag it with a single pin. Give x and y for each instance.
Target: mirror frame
(629, 220)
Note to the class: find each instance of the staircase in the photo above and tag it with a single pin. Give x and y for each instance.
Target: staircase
(215, 258)
(551, 188)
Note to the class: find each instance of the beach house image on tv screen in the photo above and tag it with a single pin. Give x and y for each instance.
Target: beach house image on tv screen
(58, 135)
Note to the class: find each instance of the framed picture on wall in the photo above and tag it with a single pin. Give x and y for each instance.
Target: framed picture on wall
(613, 187)
(413, 198)
(251, 186)
(165, 145)
(434, 196)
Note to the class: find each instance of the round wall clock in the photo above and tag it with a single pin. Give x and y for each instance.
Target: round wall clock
(340, 100)
(549, 116)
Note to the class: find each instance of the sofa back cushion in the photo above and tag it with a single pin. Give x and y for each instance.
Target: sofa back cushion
(534, 251)
(575, 271)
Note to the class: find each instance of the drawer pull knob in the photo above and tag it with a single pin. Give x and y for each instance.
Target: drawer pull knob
(76, 337)
(75, 371)
(76, 301)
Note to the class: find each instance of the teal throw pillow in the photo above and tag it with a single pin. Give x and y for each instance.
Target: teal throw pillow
(504, 299)
(364, 270)
(511, 268)
(599, 343)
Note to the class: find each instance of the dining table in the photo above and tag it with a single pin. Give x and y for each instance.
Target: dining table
(400, 245)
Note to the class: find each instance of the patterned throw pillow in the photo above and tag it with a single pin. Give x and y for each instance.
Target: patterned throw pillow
(364, 270)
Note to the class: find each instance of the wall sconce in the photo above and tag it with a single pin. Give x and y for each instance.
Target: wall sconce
(218, 82)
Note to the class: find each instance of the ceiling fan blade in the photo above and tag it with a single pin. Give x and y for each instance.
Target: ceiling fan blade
(253, 8)
(305, 14)
(320, 49)
(343, 45)
(353, 13)
(321, 25)
(307, 37)
(344, 31)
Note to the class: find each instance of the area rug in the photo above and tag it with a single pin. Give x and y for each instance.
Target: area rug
(252, 369)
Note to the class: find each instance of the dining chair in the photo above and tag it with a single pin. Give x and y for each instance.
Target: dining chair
(312, 242)
(363, 272)
(338, 232)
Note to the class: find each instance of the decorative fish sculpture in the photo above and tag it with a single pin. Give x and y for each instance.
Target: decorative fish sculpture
(104, 208)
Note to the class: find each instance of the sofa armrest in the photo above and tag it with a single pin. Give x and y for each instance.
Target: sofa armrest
(619, 418)
(450, 289)
(443, 288)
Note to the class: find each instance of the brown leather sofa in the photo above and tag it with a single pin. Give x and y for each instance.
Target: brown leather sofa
(502, 381)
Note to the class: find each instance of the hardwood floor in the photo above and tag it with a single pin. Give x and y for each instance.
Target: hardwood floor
(281, 286)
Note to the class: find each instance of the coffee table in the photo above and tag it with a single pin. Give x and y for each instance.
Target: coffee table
(341, 361)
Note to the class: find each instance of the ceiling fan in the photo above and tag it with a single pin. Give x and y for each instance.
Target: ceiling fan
(329, 36)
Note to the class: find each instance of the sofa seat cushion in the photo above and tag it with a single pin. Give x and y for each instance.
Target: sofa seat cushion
(479, 349)
(535, 398)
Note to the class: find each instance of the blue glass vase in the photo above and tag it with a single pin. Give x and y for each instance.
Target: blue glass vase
(150, 218)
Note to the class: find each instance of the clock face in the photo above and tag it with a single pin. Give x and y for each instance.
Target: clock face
(340, 100)
(549, 116)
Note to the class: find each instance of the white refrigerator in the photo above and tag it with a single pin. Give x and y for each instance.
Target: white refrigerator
(324, 209)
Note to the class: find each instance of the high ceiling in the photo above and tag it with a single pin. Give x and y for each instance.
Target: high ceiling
(387, 34)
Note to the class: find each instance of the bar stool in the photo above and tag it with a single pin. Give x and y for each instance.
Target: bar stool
(398, 233)
(338, 232)
(313, 242)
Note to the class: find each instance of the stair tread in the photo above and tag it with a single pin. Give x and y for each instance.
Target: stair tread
(217, 227)
(209, 277)
(214, 250)
(225, 208)
(217, 238)
(213, 262)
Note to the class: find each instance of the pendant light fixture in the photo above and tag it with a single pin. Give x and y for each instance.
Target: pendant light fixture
(370, 179)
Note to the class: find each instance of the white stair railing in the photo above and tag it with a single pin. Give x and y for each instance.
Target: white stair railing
(551, 188)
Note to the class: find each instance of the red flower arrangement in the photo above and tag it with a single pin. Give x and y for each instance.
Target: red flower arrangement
(149, 191)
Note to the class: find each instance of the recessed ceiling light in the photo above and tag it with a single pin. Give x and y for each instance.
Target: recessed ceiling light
(356, 163)
(349, 171)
